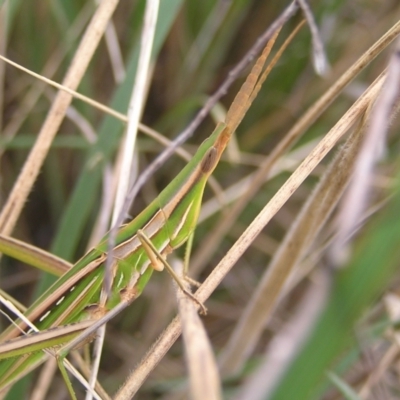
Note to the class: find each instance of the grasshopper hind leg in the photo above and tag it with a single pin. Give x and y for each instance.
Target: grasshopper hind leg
(152, 253)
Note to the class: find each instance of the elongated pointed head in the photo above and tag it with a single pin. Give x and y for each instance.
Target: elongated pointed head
(212, 156)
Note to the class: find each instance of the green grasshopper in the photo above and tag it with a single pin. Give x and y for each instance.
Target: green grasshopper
(76, 299)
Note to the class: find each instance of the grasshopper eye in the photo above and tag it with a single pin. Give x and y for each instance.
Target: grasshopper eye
(209, 160)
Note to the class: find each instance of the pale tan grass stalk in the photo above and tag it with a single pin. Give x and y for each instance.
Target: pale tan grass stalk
(211, 243)
(319, 58)
(86, 370)
(44, 380)
(27, 177)
(103, 219)
(388, 359)
(136, 104)
(296, 243)
(127, 151)
(204, 379)
(95, 364)
(263, 243)
(63, 88)
(356, 198)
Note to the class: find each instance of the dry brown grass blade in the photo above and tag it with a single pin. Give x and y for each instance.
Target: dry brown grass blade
(296, 243)
(356, 198)
(86, 371)
(211, 243)
(27, 177)
(204, 379)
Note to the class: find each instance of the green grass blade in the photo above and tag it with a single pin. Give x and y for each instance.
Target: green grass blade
(34, 256)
